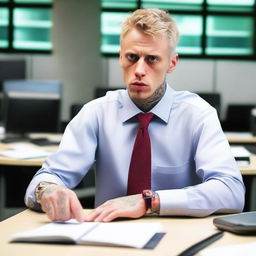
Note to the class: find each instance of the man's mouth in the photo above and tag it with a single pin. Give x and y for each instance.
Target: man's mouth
(139, 84)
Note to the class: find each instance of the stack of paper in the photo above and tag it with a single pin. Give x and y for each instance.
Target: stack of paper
(241, 155)
(21, 151)
(248, 249)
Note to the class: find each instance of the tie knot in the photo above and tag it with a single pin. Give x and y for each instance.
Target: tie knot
(144, 119)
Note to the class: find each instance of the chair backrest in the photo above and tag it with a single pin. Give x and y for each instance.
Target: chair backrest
(101, 91)
(213, 99)
(75, 108)
(238, 117)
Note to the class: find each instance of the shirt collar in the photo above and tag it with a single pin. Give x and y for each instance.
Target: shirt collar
(162, 109)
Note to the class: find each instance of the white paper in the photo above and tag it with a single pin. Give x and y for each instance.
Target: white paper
(56, 231)
(240, 151)
(247, 249)
(122, 234)
(21, 151)
(239, 135)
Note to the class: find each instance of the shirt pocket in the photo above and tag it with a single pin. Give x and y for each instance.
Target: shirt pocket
(174, 177)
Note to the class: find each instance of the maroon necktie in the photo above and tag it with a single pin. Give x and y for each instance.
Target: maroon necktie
(140, 167)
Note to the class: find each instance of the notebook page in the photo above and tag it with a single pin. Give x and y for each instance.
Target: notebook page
(122, 234)
(56, 231)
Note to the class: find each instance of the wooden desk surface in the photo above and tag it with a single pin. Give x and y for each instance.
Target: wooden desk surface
(245, 170)
(249, 169)
(181, 233)
(240, 137)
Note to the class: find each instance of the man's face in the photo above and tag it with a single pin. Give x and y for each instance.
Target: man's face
(145, 61)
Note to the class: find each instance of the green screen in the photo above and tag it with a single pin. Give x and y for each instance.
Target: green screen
(4, 23)
(229, 35)
(34, 1)
(173, 4)
(124, 4)
(32, 28)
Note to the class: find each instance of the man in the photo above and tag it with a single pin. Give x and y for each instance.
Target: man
(192, 171)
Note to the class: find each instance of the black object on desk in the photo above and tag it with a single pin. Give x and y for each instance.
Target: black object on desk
(192, 250)
(43, 142)
(241, 223)
(13, 139)
(251, 148)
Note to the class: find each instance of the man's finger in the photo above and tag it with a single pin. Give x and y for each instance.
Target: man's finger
(94, 214)
(49, 210)
(76, 209)
(104, 214)
(63, 210)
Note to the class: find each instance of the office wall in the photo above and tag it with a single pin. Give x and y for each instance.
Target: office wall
(76, 61)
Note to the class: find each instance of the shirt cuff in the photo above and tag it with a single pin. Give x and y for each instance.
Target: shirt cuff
(30, 199)
(173, 202)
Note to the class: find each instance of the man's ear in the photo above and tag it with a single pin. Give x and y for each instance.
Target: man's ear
(120, 58)
(173, 62)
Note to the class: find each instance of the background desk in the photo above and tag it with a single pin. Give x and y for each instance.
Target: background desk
(250, 171)
(249, 141)
(240, 137)
(180, 234)
(85, 191)
(5, 166)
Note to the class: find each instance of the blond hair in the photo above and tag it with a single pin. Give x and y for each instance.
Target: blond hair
(152, 22)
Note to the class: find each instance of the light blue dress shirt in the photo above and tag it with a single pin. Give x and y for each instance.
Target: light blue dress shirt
(193, 169)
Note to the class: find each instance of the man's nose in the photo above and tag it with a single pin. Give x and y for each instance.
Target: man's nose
(140, 69)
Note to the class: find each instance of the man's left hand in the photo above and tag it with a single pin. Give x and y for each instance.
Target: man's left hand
(128, 206)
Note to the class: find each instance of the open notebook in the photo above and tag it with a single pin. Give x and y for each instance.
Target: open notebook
(137, 235)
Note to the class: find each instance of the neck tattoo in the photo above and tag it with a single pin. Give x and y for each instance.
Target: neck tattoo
(149, 103)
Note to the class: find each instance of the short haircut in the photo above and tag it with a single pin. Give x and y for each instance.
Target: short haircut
(152, 22)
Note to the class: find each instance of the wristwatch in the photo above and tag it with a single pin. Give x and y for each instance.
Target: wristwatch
(150, 197)
(41, 187)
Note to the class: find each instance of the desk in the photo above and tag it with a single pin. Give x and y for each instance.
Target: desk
(6, 161)
(240, 137)
(85, 191)
(251, 171)
(246, 138)
(180, 234)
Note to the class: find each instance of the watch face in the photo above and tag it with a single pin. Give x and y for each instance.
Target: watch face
(147, 193)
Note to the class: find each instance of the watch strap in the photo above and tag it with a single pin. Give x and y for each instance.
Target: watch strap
(149, 197)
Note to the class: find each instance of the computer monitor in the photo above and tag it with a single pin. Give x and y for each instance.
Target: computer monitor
(12, 70)
(31, 106)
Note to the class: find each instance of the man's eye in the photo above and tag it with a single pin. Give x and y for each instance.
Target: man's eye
(132, 57)
(152, 59)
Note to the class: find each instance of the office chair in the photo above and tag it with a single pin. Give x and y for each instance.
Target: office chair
(74, 109)
(85, 191)
(214, 99)
(238, 117)
(101, 91)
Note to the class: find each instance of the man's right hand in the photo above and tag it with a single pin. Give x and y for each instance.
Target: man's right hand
(61, 204)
